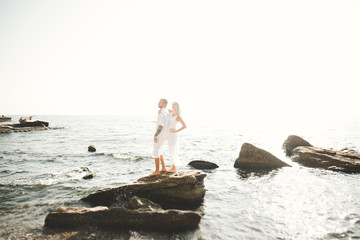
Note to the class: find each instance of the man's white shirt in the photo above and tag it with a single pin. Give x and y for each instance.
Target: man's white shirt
(163, 120)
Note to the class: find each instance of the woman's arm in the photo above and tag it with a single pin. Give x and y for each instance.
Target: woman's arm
(182, 123)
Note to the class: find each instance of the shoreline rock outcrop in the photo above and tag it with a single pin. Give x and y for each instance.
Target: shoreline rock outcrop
(140, 214)
(253, 158)
(343, 161)
(16, 129)
(181, 190)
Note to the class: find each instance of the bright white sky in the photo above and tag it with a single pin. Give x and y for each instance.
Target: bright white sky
(240, 58)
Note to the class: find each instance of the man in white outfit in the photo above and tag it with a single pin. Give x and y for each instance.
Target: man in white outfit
(161, 136)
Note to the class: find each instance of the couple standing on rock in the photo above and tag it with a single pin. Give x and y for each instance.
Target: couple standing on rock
(166, 131)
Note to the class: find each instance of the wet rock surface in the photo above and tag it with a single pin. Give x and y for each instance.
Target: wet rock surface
(203, 165)
(91, 148)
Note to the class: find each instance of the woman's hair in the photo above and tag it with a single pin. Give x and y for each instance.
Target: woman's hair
(177, 108)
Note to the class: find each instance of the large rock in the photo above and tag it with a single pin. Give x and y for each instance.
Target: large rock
(293, 142)
(347, 161)
(254, 158)
(142, 216)
(203, 165)
(181, 190)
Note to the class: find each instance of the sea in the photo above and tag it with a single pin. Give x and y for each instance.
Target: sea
(42, 170)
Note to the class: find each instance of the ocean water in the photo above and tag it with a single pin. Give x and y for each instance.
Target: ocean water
(40, 171)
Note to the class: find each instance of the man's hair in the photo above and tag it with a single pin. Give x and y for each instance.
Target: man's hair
(164, 100)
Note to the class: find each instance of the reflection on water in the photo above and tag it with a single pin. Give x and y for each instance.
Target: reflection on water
(44, 172)
(253, 173)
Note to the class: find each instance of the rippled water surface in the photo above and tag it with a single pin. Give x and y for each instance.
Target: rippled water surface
(41, 170)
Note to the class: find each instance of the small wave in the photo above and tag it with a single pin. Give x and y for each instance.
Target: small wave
(15, 152)
(340, 235)
(98, 154)
(128, 156)
(51, 160)
(10, 173)
(72, 174)
(33, 181)
(48, 179)
(25, 186)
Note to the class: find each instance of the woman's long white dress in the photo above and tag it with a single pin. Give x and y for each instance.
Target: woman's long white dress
(173, 139)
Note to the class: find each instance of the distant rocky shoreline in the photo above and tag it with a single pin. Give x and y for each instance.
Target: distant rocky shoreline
(25, 125)
(8, 129)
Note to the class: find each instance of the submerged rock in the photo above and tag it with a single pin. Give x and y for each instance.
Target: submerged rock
(91, 148)
(254, 158)
(181, 190)
(143, 217)
(203, 165)
(347, 161)
(293, 142)
(89, 174)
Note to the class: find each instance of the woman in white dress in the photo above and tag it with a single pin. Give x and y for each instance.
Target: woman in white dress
(173, 136)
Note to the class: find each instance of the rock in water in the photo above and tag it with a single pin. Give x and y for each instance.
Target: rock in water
(181, 190)
(124, 218)
(203, 165)
(89, 174)
(91, 148)
(254, 158)
(344, 161)
(293, 142)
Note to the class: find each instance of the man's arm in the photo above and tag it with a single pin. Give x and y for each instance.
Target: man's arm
(158, 130)
(157, 133)
(160, 126)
